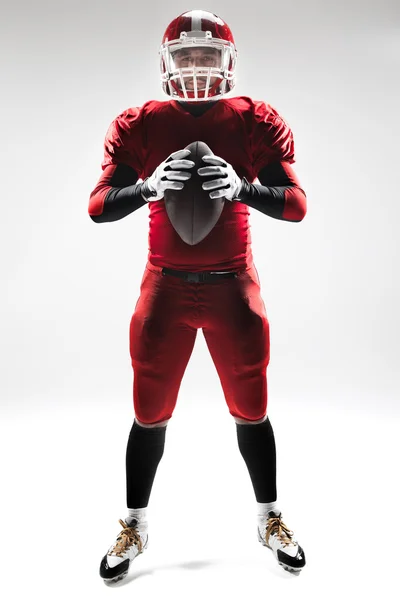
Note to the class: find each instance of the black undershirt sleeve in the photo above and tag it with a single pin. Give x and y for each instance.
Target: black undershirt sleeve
(269, 197)
(124, 197)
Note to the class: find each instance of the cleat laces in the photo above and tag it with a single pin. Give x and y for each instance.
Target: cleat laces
(126, 538)
(277, 527)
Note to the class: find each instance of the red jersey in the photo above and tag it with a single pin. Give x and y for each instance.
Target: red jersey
(246, 133)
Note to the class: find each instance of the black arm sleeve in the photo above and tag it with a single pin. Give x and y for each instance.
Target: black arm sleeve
(124, 197)
(269, 197)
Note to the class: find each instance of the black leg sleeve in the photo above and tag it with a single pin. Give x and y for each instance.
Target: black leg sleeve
(257, 446)
(144, 451)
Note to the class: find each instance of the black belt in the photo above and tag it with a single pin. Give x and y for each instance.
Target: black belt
(200, 277)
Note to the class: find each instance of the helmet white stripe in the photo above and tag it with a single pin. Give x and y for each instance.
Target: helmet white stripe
(196, 20)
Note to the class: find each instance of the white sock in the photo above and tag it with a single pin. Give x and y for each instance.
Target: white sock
(139, 514)
(263, 508)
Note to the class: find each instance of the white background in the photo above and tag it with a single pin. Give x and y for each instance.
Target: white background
(330, 285)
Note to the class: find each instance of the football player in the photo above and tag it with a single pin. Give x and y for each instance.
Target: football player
(213, 285)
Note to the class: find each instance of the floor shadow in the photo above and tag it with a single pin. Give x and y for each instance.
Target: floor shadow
(193, 565)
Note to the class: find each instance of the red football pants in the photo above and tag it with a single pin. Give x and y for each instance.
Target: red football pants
(163, 330)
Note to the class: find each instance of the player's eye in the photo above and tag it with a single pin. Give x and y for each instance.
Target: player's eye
(209, 60)
(181, 60)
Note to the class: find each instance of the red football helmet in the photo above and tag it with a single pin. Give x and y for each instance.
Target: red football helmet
(198, 57)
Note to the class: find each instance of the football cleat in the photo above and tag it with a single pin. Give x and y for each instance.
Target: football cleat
(131, 542)
(274, 534)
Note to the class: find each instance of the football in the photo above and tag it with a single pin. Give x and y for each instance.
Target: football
(192, 212)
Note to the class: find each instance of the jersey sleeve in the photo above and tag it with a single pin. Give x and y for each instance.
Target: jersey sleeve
(122, 166)
(123, 142)
(272, 138)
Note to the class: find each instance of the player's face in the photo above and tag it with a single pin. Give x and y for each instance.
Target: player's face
(197, 57)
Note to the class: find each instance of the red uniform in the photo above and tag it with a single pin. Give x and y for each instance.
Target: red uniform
(249, 135)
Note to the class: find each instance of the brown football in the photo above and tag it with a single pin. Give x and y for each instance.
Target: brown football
(192, 212)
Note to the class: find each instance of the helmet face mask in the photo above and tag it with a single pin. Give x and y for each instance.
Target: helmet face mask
(197, 65)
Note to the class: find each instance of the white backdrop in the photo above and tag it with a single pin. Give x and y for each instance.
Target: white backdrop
(330, 285)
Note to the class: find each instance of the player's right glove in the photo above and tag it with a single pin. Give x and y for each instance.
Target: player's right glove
(167, 176)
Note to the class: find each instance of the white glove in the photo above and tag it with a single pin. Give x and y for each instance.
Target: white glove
(167, 176)
(228, 176)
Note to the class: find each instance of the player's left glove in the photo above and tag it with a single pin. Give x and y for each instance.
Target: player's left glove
(227, 183)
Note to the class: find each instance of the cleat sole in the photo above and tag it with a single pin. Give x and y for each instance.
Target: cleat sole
(292, 570)
(116, 579)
